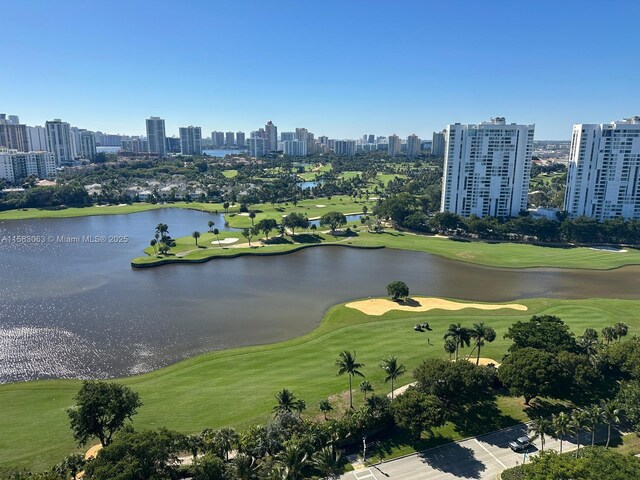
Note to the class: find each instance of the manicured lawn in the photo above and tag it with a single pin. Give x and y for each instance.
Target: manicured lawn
(236, 387)
(230, 173)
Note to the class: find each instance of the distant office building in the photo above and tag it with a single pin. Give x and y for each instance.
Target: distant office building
(603, 180)
(487, 168)
(37, 139)
(323, 140)
(88, 145)
(413, 146)
(156, 136)
(257, 146)
(229, 139)
(13, 134)
(287, 136)
(294, 148)
(240, 140)
(217, 139)
(16, 166)
(271, 136)
(394, 145)
(344, 147)
(303, 135)
(368, 138)
(190, 140)
(437, 144)
(59, 141)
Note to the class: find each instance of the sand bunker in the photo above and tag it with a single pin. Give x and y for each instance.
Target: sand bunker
(380, 306)
(320, 206)
(244, 214)
(225, 241)
(92, 452)
(606, 248)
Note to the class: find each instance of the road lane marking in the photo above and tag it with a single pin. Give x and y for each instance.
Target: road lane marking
(486, 450)
(368, 475)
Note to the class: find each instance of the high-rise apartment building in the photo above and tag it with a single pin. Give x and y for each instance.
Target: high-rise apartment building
(344, 147)
(190, 140)
(16, 166)
(37, 139)
(13, 134)
(413, 146)
(271, 136)
(59, 141)
(217, 138)
(487, 168)
(394, 146)
(87, 145)
(240, 140)
(287, 136)
(156, 136)
(437, 145)
(257, 146)
(229, 139)
(294, 148)
(603, 180)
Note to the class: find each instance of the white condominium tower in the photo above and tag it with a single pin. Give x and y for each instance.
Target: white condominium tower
(59, 141)
(190, 140)
(487, 168)
(603, 180)
(395, 145)
(156, 137)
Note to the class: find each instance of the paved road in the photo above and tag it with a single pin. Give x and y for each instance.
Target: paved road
(477, 458)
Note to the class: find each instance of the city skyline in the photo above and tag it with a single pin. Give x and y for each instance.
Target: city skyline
(519, 63)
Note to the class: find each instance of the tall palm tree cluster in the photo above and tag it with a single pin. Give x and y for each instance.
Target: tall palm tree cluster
(162, 241)
(457, 337)
(576, 422)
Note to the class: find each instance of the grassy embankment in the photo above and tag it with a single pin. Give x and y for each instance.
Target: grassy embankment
(236, 386)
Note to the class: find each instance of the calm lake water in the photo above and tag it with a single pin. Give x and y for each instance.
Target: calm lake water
(78, 310)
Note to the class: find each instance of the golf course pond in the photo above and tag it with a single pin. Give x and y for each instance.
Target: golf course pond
(71, 306)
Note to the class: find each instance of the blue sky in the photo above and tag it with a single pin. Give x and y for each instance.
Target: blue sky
(339, 68)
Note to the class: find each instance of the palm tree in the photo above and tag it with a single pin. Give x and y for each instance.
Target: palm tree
(154, 244)
(450, 347)
(300, 406)
(561, 427)
(328, 462)
(210, 223)
(393, 370)
(196, 236)
(286, 401)
(621, 330)
(325, 407)
(365, 387)
(293, 459)
(481, 333)
(225, 440)
(589, 344)
(594, 416)
(458, 334)
(216, 232)
(346, 363)
(194, 444)
(541, 427)
(610, 416)
(609, 334)
(578, 422)
(225, 205)
(314, 227)
(252, 216)
(162, 229)
(245, 467)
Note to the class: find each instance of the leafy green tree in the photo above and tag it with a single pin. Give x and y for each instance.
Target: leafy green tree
(154, 244)
(196, 236)
(266, 225)
(365, 388)
(225, 205)
(210, 224)
(530, 373)
(397, 207)
(295, 220)
(393, 370)
(456, 384)
(70, 466)
(325, 407)
(544, 332)
(245, 467)
(418, 412)
(252, 216)
(333, 220)
(397, 290)
(149, 455)
(101, 409)
(481, 333)
(216, 232)
(460, 335)
(328, 461)
(629, 398)
(209, 467)
(248, 233)
(450, 346)
(347, 363)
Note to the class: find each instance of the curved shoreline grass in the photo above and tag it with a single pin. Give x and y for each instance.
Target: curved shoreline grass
(196, 393)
